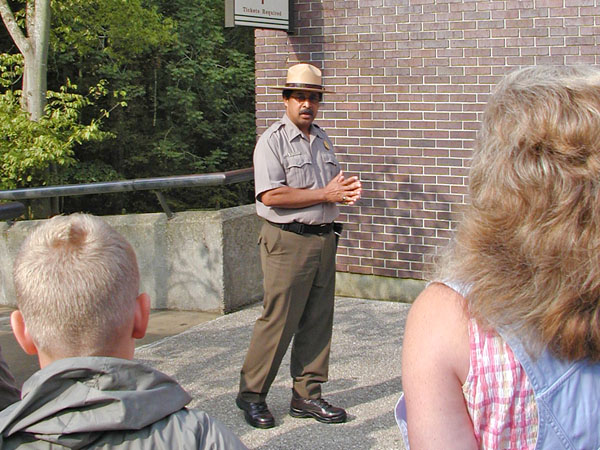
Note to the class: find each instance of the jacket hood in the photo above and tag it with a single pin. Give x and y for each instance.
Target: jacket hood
(72, 401)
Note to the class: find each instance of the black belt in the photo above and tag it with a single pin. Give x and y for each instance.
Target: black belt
(301, 228)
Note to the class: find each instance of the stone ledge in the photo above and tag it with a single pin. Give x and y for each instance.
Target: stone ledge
(376, 287)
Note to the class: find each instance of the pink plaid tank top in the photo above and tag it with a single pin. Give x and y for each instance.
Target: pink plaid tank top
(498, 394)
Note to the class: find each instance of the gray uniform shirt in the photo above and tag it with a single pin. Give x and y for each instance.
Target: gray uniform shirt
(284, 156)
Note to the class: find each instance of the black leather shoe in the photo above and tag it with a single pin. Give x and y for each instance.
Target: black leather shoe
(256, 414)
(317, 408)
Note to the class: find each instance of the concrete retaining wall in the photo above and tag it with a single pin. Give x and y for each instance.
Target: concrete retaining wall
(198, 260)
(201, 261)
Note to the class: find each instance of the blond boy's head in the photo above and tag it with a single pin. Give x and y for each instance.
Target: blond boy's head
(77, 283)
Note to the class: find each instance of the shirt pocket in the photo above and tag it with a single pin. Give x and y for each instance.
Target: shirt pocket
(299, 171)
(331, 166)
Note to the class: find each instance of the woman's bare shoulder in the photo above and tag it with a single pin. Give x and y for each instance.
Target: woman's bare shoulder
(435, 363)
(441, 305)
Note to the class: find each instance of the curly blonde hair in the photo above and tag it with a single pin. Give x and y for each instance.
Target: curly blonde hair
(529, 244)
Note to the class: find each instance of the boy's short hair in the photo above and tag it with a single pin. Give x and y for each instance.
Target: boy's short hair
(76, 280)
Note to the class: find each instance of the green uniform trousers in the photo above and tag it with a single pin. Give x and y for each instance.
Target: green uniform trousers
(299, 287)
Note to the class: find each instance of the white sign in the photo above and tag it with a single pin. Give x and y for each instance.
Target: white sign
(263, 13)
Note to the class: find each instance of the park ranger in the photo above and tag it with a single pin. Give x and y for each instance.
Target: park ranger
(298, 185)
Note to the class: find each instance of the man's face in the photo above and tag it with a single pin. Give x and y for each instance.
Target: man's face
(302, 107)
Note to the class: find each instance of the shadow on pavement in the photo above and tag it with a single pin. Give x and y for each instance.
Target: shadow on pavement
(162, 324)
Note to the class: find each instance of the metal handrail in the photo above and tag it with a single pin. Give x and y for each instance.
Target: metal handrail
(139, 184)
(9, 211)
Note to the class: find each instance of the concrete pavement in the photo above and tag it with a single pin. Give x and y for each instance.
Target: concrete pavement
(365, 377)
(162, 323)
(205, 352)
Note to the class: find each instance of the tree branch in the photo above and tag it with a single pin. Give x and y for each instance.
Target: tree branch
(30, 10)
(13, 28)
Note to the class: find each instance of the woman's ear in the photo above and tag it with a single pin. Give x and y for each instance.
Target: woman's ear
(21, 334)
(142, 315)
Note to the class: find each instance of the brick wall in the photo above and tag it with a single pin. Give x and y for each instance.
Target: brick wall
(412, 78)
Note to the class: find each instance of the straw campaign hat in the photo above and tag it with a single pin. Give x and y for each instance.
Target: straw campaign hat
(303, 77)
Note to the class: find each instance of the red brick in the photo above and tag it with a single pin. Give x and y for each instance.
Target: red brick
(384, 272)
(394, 264)
(347, 260)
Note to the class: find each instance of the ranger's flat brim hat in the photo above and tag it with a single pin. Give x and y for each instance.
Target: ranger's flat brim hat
(303, 77)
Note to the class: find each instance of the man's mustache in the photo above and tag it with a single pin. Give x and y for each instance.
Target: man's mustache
(306, 111)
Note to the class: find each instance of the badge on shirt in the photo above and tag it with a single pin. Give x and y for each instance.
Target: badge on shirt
(326, 144)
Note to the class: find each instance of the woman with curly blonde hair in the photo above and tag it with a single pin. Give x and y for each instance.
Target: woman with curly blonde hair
(504, 350)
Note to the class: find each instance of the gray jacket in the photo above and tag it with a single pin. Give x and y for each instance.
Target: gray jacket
(9, 393)
(98, 402)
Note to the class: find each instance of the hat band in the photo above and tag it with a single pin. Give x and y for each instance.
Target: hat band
(302, 86)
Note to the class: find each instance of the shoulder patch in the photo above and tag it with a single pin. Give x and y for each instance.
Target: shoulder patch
(274, 128)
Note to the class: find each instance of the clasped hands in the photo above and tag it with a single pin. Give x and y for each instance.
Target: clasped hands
(343, 190)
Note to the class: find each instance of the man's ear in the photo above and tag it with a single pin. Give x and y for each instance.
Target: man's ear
(21, 334)
(142, 314)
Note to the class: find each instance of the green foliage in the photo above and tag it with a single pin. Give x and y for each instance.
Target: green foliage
(112, 30)
(190, 96)
(11, 69)
(210, 91)
(28, 148)
(173, 87)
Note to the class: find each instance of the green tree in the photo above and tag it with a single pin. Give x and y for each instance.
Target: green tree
(208, 102)
(189, 88)
(28, 148)
(33, 44)
(190, 107)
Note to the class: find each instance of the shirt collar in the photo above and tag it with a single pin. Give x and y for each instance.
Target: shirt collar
(294, 131)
